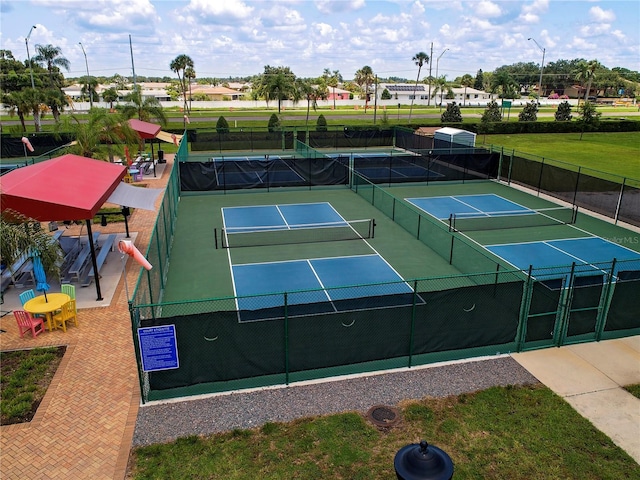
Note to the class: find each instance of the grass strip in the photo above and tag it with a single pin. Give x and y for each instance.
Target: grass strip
(502, 432)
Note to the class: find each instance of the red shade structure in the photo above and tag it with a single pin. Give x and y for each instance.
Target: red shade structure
(69, 187)
(145, 130)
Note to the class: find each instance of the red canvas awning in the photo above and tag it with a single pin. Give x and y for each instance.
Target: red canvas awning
(69, 187)
(146, 130)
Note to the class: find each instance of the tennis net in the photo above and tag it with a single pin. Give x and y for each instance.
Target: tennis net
(512, 219)
(306, 151)
(317, 232)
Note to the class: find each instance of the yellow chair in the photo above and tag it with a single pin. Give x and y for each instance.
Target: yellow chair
(66, 314)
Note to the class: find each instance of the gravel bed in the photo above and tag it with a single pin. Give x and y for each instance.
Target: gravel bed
(160, 423)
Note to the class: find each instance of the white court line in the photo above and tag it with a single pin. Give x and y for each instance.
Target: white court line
(322, 285)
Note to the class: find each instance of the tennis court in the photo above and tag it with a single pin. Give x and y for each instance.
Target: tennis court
(314, 285)
(263, 289)
(587, 253)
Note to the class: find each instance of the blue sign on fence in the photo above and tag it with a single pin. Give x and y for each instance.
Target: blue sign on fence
(158, 348)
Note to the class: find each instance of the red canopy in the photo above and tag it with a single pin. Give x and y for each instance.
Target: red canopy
(146, 130)
(69, 187)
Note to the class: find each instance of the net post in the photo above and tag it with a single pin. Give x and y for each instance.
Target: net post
(453, 239)
(451, 222)
(215, 237)
(372, 228)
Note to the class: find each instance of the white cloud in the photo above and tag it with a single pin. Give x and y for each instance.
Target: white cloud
(417, 8)
(618, 34)
(594, 29)
(538, 6)
(581, 43)
(600, 15)
(323, 29)
(529, 17)
(488, 9)
(331, 6)
(233, 9)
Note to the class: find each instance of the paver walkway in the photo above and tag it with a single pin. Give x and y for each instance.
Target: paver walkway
(84, 426)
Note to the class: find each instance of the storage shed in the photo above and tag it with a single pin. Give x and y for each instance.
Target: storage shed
(448, 137)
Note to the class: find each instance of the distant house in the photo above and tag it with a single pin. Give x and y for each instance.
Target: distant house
(338, 94)
(404, 93)
(216, 93)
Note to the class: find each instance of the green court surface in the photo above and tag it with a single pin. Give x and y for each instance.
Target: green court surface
(199, 271)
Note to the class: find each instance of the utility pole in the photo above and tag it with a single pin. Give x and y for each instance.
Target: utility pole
(133, 68)
(430, 64)
(88, 86)
(375, 101)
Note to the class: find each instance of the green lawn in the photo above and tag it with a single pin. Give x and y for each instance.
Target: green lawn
(616, 153)
(503, 432)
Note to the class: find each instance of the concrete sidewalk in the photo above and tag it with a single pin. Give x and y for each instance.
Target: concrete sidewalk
(590, 376)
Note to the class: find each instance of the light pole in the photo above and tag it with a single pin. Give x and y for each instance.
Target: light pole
(87, 65)
(26, 42)
(437, 64)
(541, 67)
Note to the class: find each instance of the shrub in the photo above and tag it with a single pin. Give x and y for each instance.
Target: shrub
(385, 95)
(563, 113)
(529, 113)
(274, 123)
(451, 114)
(492, 113)
(222, 126)
(321, 124)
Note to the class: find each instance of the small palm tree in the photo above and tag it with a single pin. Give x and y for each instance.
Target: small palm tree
(466, 81)
(96, 136)
(420, 59)
(180, 64)
(19, 234)
(586, 72)
(190, 74)
(110, 95)
(365, 77)
(143, 109)
(89, 88)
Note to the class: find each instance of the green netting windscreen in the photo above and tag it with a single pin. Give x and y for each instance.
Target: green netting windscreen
(623, 310)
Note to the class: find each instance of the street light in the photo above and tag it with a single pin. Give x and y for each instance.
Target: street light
(87, 65)
(437, 62)
(541, 67)
(26, 42)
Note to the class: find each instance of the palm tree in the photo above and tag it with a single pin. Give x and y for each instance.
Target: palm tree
(180, 64)
(51, 57)
(143, 109)
(420, 59)
(586, 71)
(96, 135)
(190, 74)
(89, 88)
(276, 83)
(332, 80)
(19, 234)
(466, 81)
(56, 100)
(505, 83)
(440, 86)
(110, 95)
(365, 77)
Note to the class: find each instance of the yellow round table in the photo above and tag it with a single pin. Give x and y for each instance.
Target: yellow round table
(54, 303)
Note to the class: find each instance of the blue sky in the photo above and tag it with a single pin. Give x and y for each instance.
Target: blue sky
(239, 37)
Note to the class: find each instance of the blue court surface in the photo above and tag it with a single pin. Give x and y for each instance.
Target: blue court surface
(280, 217)
(483, 205)
(592, 256)
(327, 275)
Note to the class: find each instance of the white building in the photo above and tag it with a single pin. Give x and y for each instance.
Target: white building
(404, 93)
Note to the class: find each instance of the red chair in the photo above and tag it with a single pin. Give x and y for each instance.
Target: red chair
(27, 322)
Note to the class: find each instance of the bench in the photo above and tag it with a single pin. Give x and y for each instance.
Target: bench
(106, 247)
(78, 264)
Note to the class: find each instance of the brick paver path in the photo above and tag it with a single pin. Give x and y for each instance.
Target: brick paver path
(84, 425)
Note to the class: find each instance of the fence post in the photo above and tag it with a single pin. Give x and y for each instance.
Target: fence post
(564, 310)
(605, 302)
(286, 340)
(525, 307)
(615, 217)
(413, 323)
